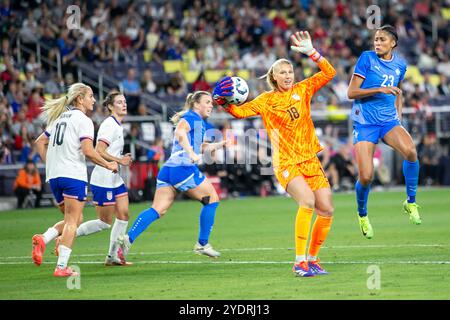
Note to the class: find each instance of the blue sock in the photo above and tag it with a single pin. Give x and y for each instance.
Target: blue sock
(206, 222)
(362, 194)
(144, 219)
(411, 173)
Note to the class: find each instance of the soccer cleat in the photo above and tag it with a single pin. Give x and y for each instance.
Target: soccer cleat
(124, 245)
(302, 269)
(122, 259)
(57, 243)
(66, 272)
(316, 268)
(412, 210)
(116, 261)
(207, 250)
(366, 227)
(38, 249)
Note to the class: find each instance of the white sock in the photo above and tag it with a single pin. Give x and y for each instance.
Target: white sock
(91, 226)
(64, 255)
(119, 228)
(311, 258)
(300, 258)
(50, 234)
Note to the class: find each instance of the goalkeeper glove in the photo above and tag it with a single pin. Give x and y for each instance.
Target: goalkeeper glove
(224, 88)
(302, 43)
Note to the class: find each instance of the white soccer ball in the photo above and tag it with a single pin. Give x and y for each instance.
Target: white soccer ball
(240, 92)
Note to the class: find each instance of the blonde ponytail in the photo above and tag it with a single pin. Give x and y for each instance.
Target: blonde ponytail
(53, 108)
(271, 82)
(188, 105)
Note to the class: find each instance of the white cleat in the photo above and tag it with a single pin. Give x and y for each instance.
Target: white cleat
(207, 250)
(116, 261)
(125, 244)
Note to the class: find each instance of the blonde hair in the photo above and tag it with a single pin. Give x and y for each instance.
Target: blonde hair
(53, 108)
(109, 100)
(189, 104)
(269, 75)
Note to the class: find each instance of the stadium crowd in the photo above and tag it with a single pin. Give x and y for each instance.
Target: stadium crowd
(132, 41)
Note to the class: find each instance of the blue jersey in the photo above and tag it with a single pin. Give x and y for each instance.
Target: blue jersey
(376, 72)
(179, 156)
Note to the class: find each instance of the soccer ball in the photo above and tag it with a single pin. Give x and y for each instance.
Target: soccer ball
(240, 92)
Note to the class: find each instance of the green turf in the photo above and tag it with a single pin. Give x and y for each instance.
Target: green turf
(256, 239)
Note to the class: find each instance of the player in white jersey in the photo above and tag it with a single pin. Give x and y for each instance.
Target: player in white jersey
(110, 194)
(64, 145)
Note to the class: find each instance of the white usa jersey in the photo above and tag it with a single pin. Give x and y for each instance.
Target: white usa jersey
(111, 133)
(64, 155)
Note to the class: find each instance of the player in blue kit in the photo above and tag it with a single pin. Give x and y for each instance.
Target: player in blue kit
(180, 172)
(376, 113)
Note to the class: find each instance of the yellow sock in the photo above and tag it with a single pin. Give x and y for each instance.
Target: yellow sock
(302, 226)
(320, 231)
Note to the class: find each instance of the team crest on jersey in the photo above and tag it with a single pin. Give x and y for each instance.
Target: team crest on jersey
(397, 71)
(109, 195)
(296, 97)
(285, 173)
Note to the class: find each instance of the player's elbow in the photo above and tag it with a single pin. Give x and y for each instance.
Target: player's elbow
(350, 93)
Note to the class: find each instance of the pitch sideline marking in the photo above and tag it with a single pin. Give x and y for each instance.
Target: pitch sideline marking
(254, 249)
(241, 262)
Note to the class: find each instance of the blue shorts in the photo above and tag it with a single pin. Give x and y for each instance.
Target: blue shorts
(107, 196)
(372, 132)
(182, 177)
(68, 188)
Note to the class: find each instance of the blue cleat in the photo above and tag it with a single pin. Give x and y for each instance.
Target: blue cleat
(301, 269)
(316, 268)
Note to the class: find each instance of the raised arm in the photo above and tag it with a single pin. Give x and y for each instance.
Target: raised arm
(222, 90)
(301, 42)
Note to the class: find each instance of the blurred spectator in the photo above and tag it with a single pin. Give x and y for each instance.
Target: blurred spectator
(443, 87)
(177, 85)
(430, 154)
(427, 87)
(22, 121)
(342, 169)
(131, 89)
(35, 103)
(198, 62)
(148, 84)
(200, 84)
(28, 186)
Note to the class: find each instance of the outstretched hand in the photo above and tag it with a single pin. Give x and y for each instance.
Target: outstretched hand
(302, 43)
(224, 88)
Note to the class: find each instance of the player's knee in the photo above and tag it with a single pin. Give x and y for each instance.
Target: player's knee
(328, 211)
(107, 220)
(365, 178)
(123, 215)
(307, 203)
(161, 211)
(209, 199)
(411, 154)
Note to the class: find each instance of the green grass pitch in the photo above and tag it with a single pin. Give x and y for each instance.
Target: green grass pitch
(256, 239)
